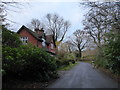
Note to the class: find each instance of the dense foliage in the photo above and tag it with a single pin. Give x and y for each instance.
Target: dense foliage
(109, 57)
(112, 52)
(28, 62)
(65, 59)
(10, 38)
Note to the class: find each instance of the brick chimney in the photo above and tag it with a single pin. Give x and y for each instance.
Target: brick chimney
(40, 32)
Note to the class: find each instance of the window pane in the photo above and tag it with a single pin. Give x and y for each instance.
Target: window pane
(24, 39)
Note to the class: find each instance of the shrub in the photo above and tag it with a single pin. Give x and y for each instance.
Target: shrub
(10, 38)
(109, 57)
(28, 62)
(72, 61)
(70, 56)
(112, 53)
(65, 59)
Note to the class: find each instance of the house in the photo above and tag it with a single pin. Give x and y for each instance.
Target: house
(37, 38)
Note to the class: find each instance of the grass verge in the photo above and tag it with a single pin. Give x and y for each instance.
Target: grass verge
(110, 74)
(68, 67)
(87, 61)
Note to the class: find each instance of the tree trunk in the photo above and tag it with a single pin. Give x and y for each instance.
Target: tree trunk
(70, 50)
(80, 53)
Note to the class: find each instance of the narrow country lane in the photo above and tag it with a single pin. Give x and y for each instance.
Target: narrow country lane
(84, 76)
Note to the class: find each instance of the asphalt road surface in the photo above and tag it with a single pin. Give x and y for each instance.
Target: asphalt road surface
(84, 76)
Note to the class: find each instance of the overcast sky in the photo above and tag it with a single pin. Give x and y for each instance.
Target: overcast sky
(71, 11)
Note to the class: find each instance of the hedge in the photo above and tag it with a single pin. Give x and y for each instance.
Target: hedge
(28, 62)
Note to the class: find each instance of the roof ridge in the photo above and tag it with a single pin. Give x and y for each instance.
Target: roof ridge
(31, 32)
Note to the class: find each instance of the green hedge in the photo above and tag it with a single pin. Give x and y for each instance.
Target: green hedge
(109, 55)
(28, 62)
(111, 52)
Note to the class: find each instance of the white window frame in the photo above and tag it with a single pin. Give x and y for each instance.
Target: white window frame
(24, 39)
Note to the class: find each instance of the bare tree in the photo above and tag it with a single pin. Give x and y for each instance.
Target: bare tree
(102, 18)
(35, 23)
(2, 15)
(80, 40)
(57, 26)
(5, 8)
(70, 46)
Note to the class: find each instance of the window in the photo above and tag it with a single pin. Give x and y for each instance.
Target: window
(24, 39)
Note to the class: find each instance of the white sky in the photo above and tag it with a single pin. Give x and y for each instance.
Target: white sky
(71, 11)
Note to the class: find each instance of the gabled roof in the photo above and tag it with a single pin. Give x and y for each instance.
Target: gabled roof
(31, 32)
